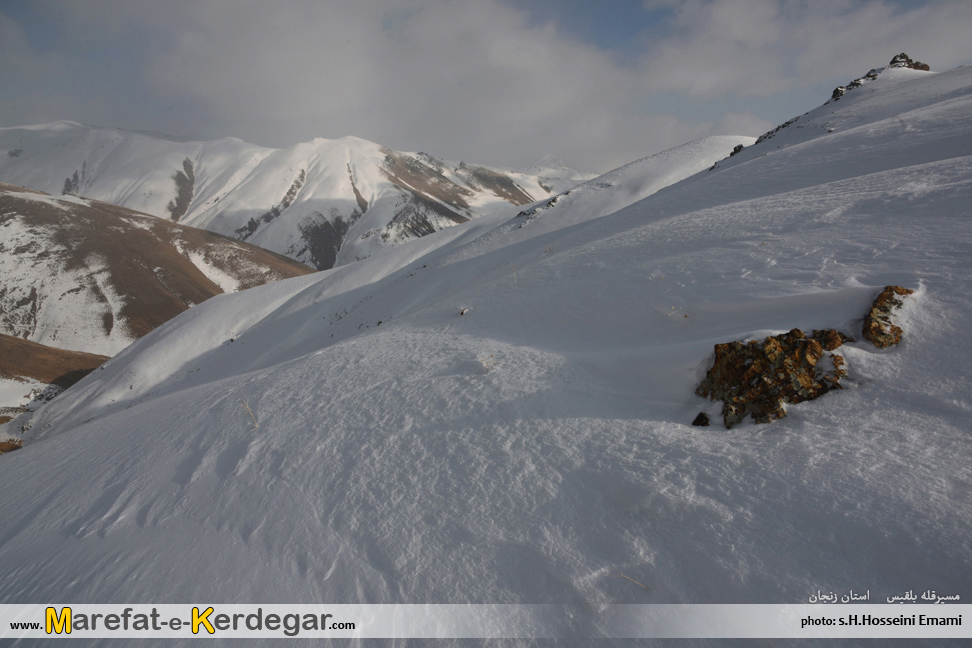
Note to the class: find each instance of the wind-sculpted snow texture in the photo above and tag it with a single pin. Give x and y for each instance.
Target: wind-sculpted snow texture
(323, 202)
(392, 465)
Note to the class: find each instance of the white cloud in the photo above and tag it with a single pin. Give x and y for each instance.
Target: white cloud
(761, 47)
(463, 80)
(454, 78)
(747, 122)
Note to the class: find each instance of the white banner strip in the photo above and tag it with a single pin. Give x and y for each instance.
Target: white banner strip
(80, 621)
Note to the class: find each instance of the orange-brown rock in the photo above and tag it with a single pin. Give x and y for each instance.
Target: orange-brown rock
(830, 339)
(878, 327)
(759, 377)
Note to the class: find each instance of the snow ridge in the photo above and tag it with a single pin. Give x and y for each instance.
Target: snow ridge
(392, 465)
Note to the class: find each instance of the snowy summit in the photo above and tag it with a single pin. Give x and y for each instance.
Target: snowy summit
(323, 202)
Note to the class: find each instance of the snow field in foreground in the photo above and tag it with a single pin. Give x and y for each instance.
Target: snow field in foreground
(391, 465)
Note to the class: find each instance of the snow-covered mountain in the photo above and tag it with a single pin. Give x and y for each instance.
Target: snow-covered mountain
(87, 276)
(324, 202)
(499, 412)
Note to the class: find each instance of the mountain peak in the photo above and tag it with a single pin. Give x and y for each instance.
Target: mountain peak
(323, 202)
(903, 60)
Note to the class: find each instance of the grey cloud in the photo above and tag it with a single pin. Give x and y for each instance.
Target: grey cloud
(461, 80)
(762, 47)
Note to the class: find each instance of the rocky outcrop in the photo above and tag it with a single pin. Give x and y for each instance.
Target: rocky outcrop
(72, 185)
(878, 327)
(185, 181)
(769, 134)
(702, 420)
(253, 224)
(903, 60)
(856, 83)
(758, 378)
(900, 61)
(829, 338)
(322, 237)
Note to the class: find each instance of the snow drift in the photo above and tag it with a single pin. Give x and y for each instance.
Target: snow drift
(534, 447)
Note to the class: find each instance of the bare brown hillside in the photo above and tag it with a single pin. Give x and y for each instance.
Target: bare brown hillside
(26, 359)
(90, 276)
(23, 359)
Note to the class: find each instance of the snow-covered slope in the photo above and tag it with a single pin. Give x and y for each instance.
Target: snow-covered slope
(536, 446)
(324, 202)
(625, 185)
(88, 276)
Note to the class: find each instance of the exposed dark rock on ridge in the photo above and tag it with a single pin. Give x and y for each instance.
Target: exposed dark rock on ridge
(419, 177)
(10, 446)
(497, 183)
(323, 237)
(903, 60)
(769, 134)
(362, 203)
(72, 185)
(253, 224)
(185, 189)
(856, 83)
(416, 215)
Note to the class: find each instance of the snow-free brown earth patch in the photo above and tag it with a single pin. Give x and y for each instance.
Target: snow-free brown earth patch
(45, 364)
(139, 270)
(10, 446)
(23, 360)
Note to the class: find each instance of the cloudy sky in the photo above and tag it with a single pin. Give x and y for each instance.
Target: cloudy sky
(500, 82)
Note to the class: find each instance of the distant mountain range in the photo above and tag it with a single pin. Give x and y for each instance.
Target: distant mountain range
(323, 202)
(83, 277)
